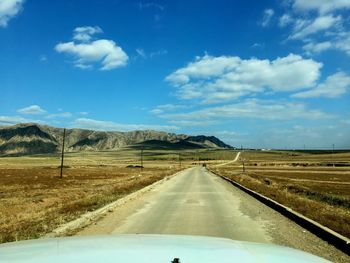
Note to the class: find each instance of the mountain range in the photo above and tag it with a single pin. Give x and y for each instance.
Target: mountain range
(32, 138)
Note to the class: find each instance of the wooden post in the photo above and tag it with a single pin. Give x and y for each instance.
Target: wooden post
(141, 158)
(180, 160)
(333, 154)
(62, 156)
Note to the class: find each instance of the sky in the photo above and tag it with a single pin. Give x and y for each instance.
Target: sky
(258, 74)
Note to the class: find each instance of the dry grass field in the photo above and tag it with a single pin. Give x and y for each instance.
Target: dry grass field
(306, 182)
(34, 200)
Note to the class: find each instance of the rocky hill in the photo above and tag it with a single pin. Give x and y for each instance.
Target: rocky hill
(31, 138)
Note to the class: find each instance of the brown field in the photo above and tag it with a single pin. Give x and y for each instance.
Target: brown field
(305, 182)
(34, 200)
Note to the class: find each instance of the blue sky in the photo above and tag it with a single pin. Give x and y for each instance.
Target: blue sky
(267, 74)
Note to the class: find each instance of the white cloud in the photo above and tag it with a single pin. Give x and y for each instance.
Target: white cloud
(312, 47)
(59, 115)
(167, 107)
(32, 110)
(257, 45)
(192, 123)
(305, 28)
(321, 24)
(85, 123)
(9, 9)
(9, 120)
(253, 108)
(342, 42)
(87, 52)
(204, 67)
(228, 133)
(218, 79)
(141, 52)
(268, 14)
(338, 41)
(322, 6)
(85, 33)
(160, 52)
(285, 20)
(333, 87)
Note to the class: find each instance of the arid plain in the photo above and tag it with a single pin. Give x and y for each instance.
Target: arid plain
(34, 200)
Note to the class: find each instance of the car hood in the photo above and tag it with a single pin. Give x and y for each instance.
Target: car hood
(148, 248)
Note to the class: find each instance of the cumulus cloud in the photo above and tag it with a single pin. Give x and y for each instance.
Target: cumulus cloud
(8, 10)
(253, 108)
(268, 14)
(322, 6)
(305, 28)
(218, 79)
(333, 87)
(85, 33)
(92, 124)
(32, 110)
(88, 52)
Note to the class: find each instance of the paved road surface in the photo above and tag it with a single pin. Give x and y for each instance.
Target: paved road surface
(197, 202)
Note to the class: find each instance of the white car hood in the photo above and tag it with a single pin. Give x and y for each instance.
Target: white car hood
(148, 248)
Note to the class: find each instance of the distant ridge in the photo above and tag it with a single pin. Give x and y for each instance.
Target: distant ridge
(32, 138)
(158, 145)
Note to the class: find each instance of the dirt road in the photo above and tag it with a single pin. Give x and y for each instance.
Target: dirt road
(233, 161)
(197, 202)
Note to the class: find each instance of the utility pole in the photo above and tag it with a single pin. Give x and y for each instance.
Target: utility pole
(62, 156)
(333, 154)
(141, 158)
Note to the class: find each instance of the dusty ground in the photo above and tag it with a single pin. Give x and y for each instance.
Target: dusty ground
(308, 183)
(34, 200)
(196, 202)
